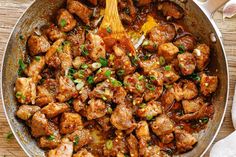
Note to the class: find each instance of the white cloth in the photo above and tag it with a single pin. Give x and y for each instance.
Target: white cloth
(229, 9)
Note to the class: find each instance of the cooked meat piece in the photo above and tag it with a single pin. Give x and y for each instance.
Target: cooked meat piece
(38, 45)
(167, 138)
(35, 67)
(152, 109)
(153, 94)
(103, 91)
(178, 91)
(25, 90)
(94, 2)
(190, 90)
(78, 61)
(168, 50)
(184, 140)
(51, 141)
(82, 11)
(65, 149)
(54, 62)
(84, 93)
(40, 125)
(134, 84)
(78, 105)
(66, 89)
(187, 63)
(53, 50)
(122, 117)
(54, 109)
(170, 75)
(121, 155)
(128, 11)
(96, 47)
(83, 153)
(168, 98)
(44, 96)
(119, 95)
(188, 42)
(143, 2)
(142, 131)
(132, 145)
(66, 58)
(65, 20)
(191, 106)
(53, 33)
(80, 138)
(162, 125)
(126, 19)
(152, 64)
(70, 122)
(171, 9)
(96, 109)
(154, 151)
(208, 84)
(104, 122)
(26, 111)
(103, 73)
(156, 77)
(202, 54)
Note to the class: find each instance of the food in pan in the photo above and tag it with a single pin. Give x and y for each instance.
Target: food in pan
(84, 94)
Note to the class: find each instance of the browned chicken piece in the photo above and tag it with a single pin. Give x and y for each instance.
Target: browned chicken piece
(168, 50)
(125, 18)
(122, 117)
(119, 95)
(53, 33)
(83, 153)
(35, 67)
(128, 11)
(170, 75)
(80, 138)
(158, 35)
(66, 58)
(191, 106)
(54, 109)
(78, 61)
(167, 138)
(53, 50)
(208, 84)
(104, 122)
(132, 145)
(26, 111)
(168, 98)
(54, 62)
(70, 122)
(152, 109)
(154, 93)
(84, 93)
(66, 89)
(121, 154)
(40, 125)
(162, 125)
(78, 105)
(51, 141)
(171, 9)
(187, 63)
(25, 90)
(65, 20)
(96, 109)
(93, 2)
(190, 90)
(65, 149)
(95, 47)
(103, 91)
(103, 73)
(156, 77)
(188, 42)
(44, 96)
(134, 84)
(184, 140)
(149, 65)
(178, 91)
(143, 2)
(202, 54)
(154, 151)
(38, 45)
(81, 10)
(142, 131)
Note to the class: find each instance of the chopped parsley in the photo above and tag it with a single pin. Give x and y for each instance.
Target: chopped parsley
(63, 23)
(103, 61)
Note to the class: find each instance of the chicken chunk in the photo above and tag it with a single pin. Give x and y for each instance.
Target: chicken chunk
(168, 98)
(40, 125)
(188, 42)
(38, 45)
(191, 106)
(52, 51)
(54, 109)
(162, 125)
(171, 9)
(25, 90)
(167, 138)
(84, 93)
(184, 140)
(80, 138)
(187, 63)
(65, 20)
(66, 89)
(66, 58)
(153, 93)
(202, 54)
(122, 117)
(26, 111)
(143, 2)
(83, 153)
(154, 151)
(78, 61)
(35, 67)
(104, 122)
(96, 47)
(128, 11)
(53, 33)
(170, 75)
(142, 131)
(82, 11)
(50, 142)
(119, 95)
(96, 109)
(103, 74)
(149, 65)
(70, 122)
(168, 50)
(103, 91)
(190, 90)
(208, 84)
(152, 109)
(78, 105)
(65, 149)
(133, 145)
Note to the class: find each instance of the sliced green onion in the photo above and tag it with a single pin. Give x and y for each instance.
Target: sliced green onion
(109, 29)
(109, 110)
(109, 144)
(103, 61)
(51, 137)
(96, 65)
(149, 117)
(116, 83)
(60, 48)
(84, 66)
(108, 73)
(143, 105)
(152, 78)
(37, 58)
(204, 120)
(162, 60)
(120, 72)
(140, 77)
(150, 87)
(181, 49)
(10, 135)
(138, 87)
(76, 140)
(145, 43)
(90, 80)
(63, 23)
(21, 64)
(168, 68)
(79, 85)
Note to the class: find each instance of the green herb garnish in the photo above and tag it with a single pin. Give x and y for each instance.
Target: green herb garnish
(70, 101)
(51, 137)
(149, 117)
(37, 58)
(109, 110)
(181, 49)
(84, 66)
(116, 83)
(10, 135)
(109, 144)
(127, 10)
(204, 120)
(168, 68)
(108, 73)
(108, 29)
(162, 60)
(63, 23)
(84, 52)
(143, 105)
(90, 80)
(150, 87)
(141, 77)
(76, 140)
(103, 61)
(120, 72)
(194, 76)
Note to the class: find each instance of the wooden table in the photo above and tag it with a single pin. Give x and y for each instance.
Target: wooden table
(11, 10)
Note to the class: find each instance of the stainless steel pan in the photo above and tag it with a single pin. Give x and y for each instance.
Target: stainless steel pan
(198, 19)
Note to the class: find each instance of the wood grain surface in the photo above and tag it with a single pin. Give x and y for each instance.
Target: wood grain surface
(11, 10)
